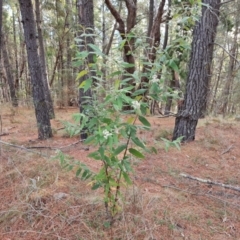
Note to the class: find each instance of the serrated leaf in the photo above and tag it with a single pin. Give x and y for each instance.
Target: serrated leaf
(144, 121)
(136, 153)
(120, 149)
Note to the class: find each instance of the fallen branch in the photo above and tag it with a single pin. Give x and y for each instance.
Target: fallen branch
(23, 148)
(227, 150)
(4, 134)
(236, 188)
(56, 148)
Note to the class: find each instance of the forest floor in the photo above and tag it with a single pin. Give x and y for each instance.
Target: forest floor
(40, 200)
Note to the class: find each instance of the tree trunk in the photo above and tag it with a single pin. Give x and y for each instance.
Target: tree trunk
(34, 64)
(16, 57)
(231, 70)
(9, 74)
(213, 107)
(199, 72)
(86, 21)
(43, 62)
(1, 69)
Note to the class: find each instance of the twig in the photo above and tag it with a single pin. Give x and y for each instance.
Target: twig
(166, 116)
(208, 181)
(55, 148)
(227, 150)
(3, 134)
(227, 52)
(202, 194)
(23, 148)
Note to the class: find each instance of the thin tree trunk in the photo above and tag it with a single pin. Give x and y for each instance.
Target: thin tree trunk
(86, 21)
(34, 64)
(231, 68)
(43, 62)
(9, 74)
(214, 98)
(16, 57)
(199, 72)
(70, 80)
(1, 69)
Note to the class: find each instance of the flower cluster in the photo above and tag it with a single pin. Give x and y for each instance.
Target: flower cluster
(154, 79)
(136, 105)
(106, 133)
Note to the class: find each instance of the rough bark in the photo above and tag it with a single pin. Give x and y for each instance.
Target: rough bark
(34, 64)
(150, 17)
(43, 62)
(9, 73)
(86, 21)
(1, 74)
(199, 72)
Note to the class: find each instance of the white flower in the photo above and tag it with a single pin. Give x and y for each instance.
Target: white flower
(116, 130)
(136, 105)
(106, 133)
(154, 79)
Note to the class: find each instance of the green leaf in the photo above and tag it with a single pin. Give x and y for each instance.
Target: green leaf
(96, 49)
(95, 155)
(89, 139)
(154, 150)
(173, 65)
(136, 153)
(96, 186)
(126, 178)
(120, 149)
(86, 174)
(81, 74)
(88, 84)
(139, 92)
(78, 172)
(144, 121)
(138, 142)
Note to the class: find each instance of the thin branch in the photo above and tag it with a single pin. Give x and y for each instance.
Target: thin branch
(226, 2)
(116, 15)
(227, 150)
(208, 181)
(227, 51)
(56, 148)
(4, 134)
(23, 148)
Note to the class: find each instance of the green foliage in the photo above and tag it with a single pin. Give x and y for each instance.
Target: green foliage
(113, 130)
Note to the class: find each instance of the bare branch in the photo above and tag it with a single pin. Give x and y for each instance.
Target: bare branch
(227, 52)
(226, 2)
(208, 181)
(116, 15)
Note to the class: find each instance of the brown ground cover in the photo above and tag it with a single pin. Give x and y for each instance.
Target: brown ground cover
(40, 200)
